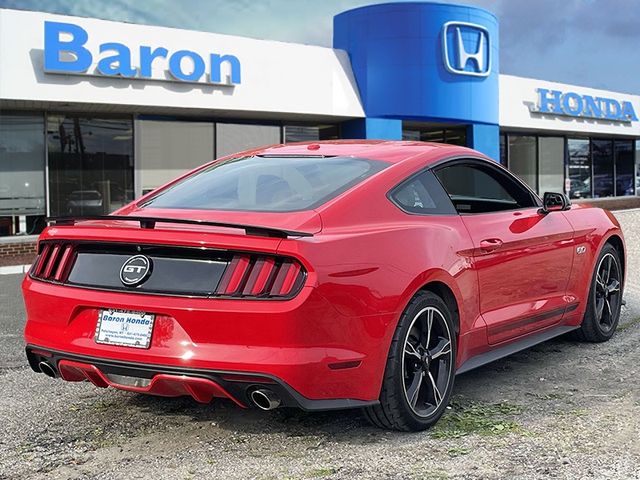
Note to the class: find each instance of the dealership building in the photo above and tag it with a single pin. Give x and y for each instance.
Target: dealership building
(94, 113)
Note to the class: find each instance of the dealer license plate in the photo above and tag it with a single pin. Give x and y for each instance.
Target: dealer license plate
(128, 329)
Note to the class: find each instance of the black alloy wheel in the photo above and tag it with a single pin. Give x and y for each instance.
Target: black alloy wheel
(426, 361)
(608, 294)
(605, 298)
(420, 369)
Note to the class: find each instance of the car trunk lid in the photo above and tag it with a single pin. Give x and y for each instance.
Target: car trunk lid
(186, 253)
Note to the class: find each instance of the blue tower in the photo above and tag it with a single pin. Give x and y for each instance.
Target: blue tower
(423, 62)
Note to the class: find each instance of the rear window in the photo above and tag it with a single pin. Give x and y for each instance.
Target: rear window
(267, 184)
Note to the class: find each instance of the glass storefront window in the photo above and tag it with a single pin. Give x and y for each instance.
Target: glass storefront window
(595, 167)
(310, 133)
(167, 149)
(90, 164)
(602, 157)
(523, 157)
(456, 136)
(22, 179)
(550, 164)
(637, 166)
(436, 136)
(411, 135)
(415, 131)
(624, 160)
(232, 138)
(579, 168)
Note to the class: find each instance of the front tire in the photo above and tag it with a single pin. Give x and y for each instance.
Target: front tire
(420, 369)
(605, 298)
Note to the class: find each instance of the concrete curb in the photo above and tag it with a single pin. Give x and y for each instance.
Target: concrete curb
(626, 210)
(14, 269)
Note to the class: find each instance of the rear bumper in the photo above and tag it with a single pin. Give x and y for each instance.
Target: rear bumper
(319, 358)
(201, 385)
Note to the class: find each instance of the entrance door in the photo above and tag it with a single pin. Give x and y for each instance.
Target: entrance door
(523, 258)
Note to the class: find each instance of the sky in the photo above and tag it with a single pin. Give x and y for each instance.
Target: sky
(593, 43)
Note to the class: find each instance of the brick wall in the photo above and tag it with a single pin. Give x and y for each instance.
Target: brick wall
(17, 253)
(17, 248)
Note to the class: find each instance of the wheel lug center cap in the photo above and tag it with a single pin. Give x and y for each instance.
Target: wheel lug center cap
(426, 360)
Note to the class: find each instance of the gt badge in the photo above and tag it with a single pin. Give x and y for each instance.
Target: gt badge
(581, 249)
(135, 270)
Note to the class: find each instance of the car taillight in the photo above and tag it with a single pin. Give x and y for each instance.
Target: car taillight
(53, 262)
(261, 276)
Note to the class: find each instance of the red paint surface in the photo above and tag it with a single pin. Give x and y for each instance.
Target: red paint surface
(364, 263)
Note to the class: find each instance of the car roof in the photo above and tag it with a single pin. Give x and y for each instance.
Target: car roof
(392, 151)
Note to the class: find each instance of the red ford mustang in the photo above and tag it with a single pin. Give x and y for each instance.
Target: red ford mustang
(321, 276)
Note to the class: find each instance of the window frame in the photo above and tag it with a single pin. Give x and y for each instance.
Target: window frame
(470, 160)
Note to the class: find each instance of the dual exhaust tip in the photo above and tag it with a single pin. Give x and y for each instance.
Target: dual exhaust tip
(265, 399)
(262, 398)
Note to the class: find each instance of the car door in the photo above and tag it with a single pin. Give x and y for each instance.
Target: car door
(523, 258)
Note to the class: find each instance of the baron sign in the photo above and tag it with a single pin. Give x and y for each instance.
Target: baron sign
(555, 102)
(66, 52)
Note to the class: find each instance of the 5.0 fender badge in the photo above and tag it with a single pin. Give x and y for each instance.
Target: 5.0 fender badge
(581, 249)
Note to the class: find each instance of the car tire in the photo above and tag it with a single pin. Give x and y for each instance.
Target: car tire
(605, 298)
(420, 368)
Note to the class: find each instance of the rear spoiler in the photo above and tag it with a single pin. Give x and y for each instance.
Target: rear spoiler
(150, 222)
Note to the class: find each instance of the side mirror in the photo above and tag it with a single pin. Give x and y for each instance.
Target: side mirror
(554, 202)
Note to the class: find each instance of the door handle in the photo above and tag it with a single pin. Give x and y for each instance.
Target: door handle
(490, 244)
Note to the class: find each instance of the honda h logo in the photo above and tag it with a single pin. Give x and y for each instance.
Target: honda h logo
(466, 48)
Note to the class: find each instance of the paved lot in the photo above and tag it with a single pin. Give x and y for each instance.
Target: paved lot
(559, 410)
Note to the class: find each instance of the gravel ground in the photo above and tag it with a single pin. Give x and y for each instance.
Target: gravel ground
(558, 410)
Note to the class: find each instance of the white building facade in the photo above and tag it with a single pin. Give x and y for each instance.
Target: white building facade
(94, 113)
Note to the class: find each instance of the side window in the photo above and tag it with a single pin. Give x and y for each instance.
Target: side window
(477, 188)
(422, 194)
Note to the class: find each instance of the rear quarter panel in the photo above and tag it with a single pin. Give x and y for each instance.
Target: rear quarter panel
(371, 258)
(369, 278)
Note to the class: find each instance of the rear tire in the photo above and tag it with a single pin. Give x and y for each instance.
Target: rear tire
(420, 369)
(605, 299)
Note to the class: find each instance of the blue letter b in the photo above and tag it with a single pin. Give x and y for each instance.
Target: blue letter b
(53, 47)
